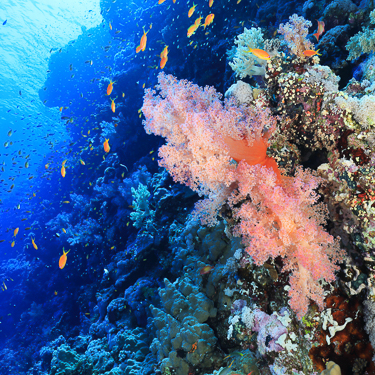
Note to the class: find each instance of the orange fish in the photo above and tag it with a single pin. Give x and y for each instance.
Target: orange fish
(63, 171)
(164, 53)
(263, 55)
(163, 61)
(13, 243)
(209, 19)
(16, 232)
(142, 44)
(206, 269)
(164, 57)
(60, 109)
(191, 10)
(113, 105)
(210, 3)
(106, 145)
(310, 52)
(320, 30)
(198, 21)
(110, 87)
(161, 1)
(110, 26)
(63, 259)
(63, 163)
(34, 244)
(193, 28)
(46, 166)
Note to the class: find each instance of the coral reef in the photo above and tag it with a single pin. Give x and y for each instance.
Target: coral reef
(245, 245)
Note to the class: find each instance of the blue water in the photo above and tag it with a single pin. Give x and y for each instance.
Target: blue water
(34, 31)
(32, 132)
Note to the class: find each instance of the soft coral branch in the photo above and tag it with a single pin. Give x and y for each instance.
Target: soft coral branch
(286, 221)
(276, 215)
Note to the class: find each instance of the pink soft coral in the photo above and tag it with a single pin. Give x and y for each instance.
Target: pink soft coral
(285, 220)
(277, 215)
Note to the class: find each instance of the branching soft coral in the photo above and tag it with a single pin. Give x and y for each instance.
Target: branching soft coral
(204, 135)
(285, 220)
(276, 215)
(295, 32)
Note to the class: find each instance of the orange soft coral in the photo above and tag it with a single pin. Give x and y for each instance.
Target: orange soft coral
(252, 155)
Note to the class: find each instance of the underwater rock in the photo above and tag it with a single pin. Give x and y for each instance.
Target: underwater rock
(66, 361)
(115, 309)
(183, 339)
(104, 298)
(183, 299)
(100, 356)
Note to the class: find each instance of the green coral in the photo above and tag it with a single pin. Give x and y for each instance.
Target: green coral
(141, 206)
(362, 42)
(245, 63)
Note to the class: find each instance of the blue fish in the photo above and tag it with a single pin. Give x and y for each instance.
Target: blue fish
(5, 22)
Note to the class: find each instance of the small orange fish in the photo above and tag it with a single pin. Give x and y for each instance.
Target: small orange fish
(113, 105)
(34, 244)
(206, 269)
(63, 163)
(191, 10)
(320, 30)
(63, 171)
(106, 145)
(13, 243)
(110, 87)
(310, 52)
(263, 55)
(55, 292)
(46, 166)
(198, 21)
(110, 26)
(163, 61)
(164, 53)
(161, 1)
(63, 259)
(209, 19)
(16, 232)
(142, 44)
(60, 109)
(210, 3)
(191, 30)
